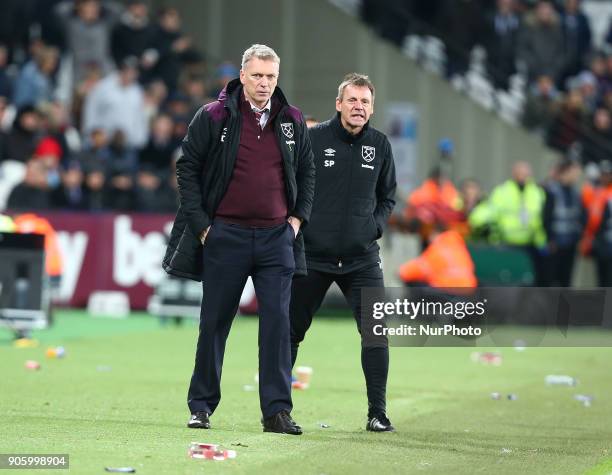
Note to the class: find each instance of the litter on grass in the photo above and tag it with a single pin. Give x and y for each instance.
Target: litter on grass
(206, 451)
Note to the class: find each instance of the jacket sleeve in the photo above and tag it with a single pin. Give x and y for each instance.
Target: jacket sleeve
(305, 176)
(385, 190)
(189, 168)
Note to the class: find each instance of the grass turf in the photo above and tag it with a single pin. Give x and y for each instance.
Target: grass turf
(134, 412)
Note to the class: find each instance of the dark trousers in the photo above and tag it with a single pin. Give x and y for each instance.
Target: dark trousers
(560, 267)
(306, 296)
(604, 271)
(231, 254)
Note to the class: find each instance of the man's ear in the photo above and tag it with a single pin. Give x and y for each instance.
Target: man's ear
(338, 105)
(242, 76)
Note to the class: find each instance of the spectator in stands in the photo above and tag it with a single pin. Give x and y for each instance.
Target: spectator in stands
(168, 200)
(576, 38)
(461, 25)
(155, 162)
(597, 140)
(310, 120)
(6, 81)
(541, 43)
(391, 19)
(194, 88)
(87, 25)
(93, 75)
(543, 101)
(35, 82)
(116, 103)
(569, 122)
(119, 193)
(21, 141)
(56, 123)
(564, 219)
(155, 94)
(69, 195)
(501, 39)
(225, 72)
(49, 152)
(33, 193)
(586, 82)
(173, 48)
(133, 35)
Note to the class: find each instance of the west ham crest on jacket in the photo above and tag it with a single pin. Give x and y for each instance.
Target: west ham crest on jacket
(368, 153)
(287, 128)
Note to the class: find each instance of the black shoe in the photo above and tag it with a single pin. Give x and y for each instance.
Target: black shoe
(281, 423)
(199, 420)
(379, 423)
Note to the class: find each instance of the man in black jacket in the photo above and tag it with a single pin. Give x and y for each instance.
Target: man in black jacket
(246, 183)
(354, 196)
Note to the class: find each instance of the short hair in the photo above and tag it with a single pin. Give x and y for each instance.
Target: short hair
(355, 79)
(261, 52)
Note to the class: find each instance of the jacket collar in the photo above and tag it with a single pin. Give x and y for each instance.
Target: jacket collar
(230, 95)
(343, 134)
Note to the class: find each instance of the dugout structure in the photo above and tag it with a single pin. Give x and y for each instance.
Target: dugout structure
(25, 302)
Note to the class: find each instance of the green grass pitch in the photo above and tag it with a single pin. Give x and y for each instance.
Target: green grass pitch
(133, 412)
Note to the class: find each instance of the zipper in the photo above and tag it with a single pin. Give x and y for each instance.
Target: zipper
(348, 194)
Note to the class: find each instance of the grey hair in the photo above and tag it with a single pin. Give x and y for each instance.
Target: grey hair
(261, 52)
(355, 79)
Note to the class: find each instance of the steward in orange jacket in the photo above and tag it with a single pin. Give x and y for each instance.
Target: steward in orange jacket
(594, 200)
(446, 263)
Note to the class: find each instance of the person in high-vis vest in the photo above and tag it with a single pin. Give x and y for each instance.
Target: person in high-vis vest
(513, 212)
(564, 218)
(6, 224)
(445, 264)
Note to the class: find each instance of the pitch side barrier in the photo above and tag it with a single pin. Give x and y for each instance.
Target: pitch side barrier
(487, 316)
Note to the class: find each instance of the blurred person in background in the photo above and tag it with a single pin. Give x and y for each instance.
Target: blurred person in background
(569, 123)
(69, 195)
(541, 43)
(87, 27)
(194, 89)
(155, 95)
(225, 72)
(461, 25)
(500, 40)
(173, 47)
(577, 38)
(513, 215)
(595, 197)
(445, 263)
(92, 76)
(33, 193)
(120, 191)
(116, 103)
(597, 138)
(6, 79)
(155, 162)
(133, 35)
(543, 102)
(436, 199)
(21, 140)
(564, 219)
(310, 121)
(35, 83)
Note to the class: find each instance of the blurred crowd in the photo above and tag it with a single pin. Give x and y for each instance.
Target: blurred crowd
(568, 81)
(547, 224)
(95, 98)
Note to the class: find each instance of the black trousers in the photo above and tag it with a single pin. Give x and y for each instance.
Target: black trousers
(306, 296)
(604, 271)
(231, 254)
(560, 266)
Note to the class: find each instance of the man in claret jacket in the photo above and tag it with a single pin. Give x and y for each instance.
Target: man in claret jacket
(246, 183)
